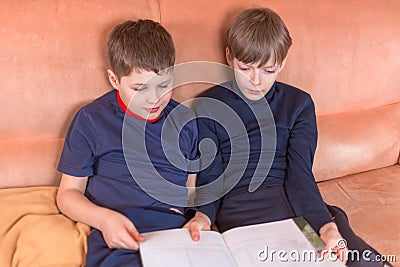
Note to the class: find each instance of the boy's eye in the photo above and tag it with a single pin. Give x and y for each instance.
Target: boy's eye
(137, 89)
(270, 71)
(243, 68)
(164, 85)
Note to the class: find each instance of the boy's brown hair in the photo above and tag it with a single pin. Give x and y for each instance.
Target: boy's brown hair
(257, 35)
(140, 45)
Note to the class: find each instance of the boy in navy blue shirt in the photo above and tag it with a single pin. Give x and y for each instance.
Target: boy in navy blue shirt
(257, 46)
(115, 147)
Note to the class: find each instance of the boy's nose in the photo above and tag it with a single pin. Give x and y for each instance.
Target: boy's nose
(255, 78)
(153, 96)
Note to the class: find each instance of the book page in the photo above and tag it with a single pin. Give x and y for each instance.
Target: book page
(277, 244)
(176, 248)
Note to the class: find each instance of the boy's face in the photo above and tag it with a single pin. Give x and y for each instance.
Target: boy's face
(255, 82)
(145, 93)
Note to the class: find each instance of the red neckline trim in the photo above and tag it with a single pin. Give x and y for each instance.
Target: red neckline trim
(130, 113)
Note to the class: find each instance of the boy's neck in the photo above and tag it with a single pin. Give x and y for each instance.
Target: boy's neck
(130, 113)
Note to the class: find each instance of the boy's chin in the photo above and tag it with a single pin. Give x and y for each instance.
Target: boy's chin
(253, 97)
(152, 116)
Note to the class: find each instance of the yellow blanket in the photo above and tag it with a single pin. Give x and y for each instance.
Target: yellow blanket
(34, 233)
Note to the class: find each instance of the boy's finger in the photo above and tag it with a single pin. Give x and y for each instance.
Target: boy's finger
(135, 234)
(186, 226)
(194, 231)
(130, 243)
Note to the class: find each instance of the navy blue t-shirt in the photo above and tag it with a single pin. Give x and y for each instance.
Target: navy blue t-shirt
(292, 114)
(121, 154)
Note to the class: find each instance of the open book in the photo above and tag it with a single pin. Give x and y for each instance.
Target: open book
(289, 242)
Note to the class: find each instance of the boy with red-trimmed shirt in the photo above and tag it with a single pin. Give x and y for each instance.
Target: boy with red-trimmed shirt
(114, 152)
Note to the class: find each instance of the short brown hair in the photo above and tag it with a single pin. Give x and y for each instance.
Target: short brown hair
(142, 44)
(258, 34)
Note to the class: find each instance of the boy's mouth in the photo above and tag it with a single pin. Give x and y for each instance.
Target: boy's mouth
(153, 110)
(253, 92)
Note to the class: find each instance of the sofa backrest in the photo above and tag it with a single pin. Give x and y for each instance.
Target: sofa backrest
(357, 141)
(344, 53)
(53, 62)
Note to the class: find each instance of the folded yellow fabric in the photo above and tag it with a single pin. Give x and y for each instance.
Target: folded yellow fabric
(34, 233)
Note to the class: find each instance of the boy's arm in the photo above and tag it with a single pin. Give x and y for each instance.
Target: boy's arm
(300, 185)
(205, 214)
(210, 180)
(191, 186)
(200, 221)
(118, 231)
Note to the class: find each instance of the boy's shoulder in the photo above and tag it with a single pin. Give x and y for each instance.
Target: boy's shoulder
(292, 93)
(102, 107)
(222, 91)
(290, 89)
(226, 91)
(292, 98)
(105, 102)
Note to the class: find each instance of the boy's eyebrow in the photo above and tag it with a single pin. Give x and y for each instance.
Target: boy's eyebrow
(166, 81)
(140, 84)
(266, 67)
(270, 66)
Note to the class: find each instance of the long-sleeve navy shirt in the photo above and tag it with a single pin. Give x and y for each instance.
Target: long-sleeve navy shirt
(293, 112)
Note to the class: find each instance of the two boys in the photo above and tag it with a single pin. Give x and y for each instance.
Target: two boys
(97, 186)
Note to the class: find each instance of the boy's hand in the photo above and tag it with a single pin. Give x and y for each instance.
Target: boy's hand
(119, 232)
(334, 241)
(199, 222)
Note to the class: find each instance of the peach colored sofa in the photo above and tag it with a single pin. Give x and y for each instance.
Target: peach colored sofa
(52, 59)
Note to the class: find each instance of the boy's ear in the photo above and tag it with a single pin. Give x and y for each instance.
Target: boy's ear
(113, 79)
(229, 58)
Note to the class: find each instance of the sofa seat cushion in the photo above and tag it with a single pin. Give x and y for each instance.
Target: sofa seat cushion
(34, 233)
(372, 201)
